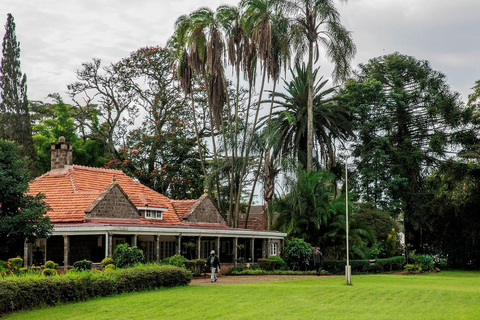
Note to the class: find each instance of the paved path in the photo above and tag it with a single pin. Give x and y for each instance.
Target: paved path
(251, 279)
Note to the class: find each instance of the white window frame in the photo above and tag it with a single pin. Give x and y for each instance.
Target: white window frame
(273, 249)
(152, 213)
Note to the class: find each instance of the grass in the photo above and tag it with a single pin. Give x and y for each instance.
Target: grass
(445, 295)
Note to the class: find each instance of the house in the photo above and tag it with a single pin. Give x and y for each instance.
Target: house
(94, 209)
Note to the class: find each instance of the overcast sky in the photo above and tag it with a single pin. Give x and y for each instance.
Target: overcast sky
(56, 36)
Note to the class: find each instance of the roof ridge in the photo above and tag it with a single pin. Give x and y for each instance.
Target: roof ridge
(73, 182)
(96, 168)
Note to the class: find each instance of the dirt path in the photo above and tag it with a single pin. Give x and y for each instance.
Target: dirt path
(251, 279)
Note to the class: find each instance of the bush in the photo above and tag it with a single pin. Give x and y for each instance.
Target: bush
(16, 262)
(364, 266)
(196, 266)
(177, 261)
(411, 268)
(49, 272)
(266, 264)
(279, 263)
(426, 262)
(105, 262)
(51, 265)
(298, 254)
(126, 256)
(32, 292)
(83, 265)
(235, 270)
(110, 267)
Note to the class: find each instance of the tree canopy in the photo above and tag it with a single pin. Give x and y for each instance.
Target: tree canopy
(22, 217)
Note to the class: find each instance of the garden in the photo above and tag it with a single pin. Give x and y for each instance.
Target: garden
(444, 295)
(125, 272)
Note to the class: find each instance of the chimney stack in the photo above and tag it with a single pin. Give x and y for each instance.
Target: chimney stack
(61, 152)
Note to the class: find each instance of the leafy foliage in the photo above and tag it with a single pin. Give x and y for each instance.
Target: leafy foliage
(22, 216)
(298, 254)
(83, 265)
(406, 117)
(14, 112)
(126, 256)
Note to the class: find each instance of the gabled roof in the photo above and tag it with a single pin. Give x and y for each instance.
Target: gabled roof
(182, 206)
(72, 191)
(200, 211)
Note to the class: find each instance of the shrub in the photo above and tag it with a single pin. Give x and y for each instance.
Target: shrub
(83, 265)
(364, 266)
(49, 272)
(266, 264)
(279, 263)
(412, 268)
(426, 262)
(177, 260)
(32, 292)
(235, 270)
(195, 266)
(110, 267)
(51, 265)
(392, 244)
(126, 256)
(16, 262)
(105, 262)
(298, 254)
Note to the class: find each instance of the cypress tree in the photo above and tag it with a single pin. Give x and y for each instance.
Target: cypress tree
(14, 114)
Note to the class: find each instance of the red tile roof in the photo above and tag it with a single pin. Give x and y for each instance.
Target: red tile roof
(182, 206)
(71, 191)
(252, 224)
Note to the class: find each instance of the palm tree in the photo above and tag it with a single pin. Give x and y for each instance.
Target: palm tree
(305, 211)
(316, 22)
(288, 122)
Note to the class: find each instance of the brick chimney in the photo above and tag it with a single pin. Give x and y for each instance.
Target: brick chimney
(61, 154)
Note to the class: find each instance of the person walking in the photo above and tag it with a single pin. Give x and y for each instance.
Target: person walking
(213, 263)
(317, 259)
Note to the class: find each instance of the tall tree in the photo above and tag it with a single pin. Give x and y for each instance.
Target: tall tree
(408, 119)
(22, 217)
(288, 121)
(14, 112)
(315, 23)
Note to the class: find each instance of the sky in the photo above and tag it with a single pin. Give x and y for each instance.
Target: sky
(57, 36)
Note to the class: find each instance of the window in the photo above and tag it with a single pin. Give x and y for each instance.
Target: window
(273, 249)
(152, 214)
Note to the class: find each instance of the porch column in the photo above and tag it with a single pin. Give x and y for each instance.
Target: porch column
(235, 251)
(157, 251)
(25, 254)
(264, 250)
(199, 247)
(107, 244)
(179, 244)
(252, 251)
(217, 247)
(110, 244)
(134, 240)
(66, 251)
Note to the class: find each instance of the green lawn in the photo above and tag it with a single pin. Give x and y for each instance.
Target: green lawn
(445, 295)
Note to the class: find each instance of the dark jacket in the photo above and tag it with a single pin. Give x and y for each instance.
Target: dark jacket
(317, 257)
(216, 262)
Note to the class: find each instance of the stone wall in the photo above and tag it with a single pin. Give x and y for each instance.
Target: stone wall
(206, 212)
(113, 204)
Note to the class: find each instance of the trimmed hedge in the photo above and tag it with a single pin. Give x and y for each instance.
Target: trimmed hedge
(196, 266)
(267, 264)
(24, 293)
(364, 266)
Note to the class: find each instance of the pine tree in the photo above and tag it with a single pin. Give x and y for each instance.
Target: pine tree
(14, 115)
